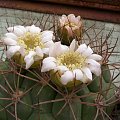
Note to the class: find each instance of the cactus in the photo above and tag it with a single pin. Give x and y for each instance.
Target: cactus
(29, 94)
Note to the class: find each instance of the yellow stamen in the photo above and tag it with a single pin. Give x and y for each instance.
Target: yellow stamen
(30, 41)
(72, 60)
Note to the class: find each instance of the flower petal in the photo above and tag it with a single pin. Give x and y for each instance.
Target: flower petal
(95, 70)
(12, 50)
(87, 72)
(34, 29)
(69, 30)
(9, 41)
(85, 79)
(46, 36)
(64, 48)
(67, 77)
(78, 21)
(78, 74)
(49, 43)
(73, 45)
(39, 52)
(21, 27)
(10, 29)
(30, 54)
(57, 49)
(53, 50)
(82, 48)
(64, 19)
(27, 28)
(62, 69)
(22, 51)
(95, 57)
(47, 66)
(45, 51)
(88, 52)
(15, 30)
(71, 18)
(49, 59)
(62, 22)
(93, 62)
(11, 35)
(29, 60)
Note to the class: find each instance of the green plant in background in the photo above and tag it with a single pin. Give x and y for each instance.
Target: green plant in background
(46, 79)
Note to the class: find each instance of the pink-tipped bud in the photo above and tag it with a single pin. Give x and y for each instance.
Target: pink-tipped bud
(70, 27)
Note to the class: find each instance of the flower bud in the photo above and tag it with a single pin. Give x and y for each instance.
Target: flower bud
(70, 27)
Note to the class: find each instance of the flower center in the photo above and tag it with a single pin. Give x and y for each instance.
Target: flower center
(72, 60)
(30, 41)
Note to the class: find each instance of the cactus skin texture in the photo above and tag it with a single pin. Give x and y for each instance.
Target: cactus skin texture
(33, 98)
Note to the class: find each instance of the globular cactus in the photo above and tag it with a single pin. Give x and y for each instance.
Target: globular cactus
(29, 94)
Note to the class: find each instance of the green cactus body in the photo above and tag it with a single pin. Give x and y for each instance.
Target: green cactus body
(42, 102)
(65, 113)
(3, 115)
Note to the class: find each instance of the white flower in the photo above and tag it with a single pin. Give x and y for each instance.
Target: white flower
(73, 63)
(28, 41)
(71, 23)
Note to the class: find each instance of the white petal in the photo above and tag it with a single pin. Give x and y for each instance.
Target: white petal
(16, 30)
(49, 59)
(47, 66)
(49, 43)
(85, 79)
(27, 28)
(29, 59)
(45, 51)
(10, 29)
(95, 57)
(34, 29)
(64, 19)
(87, 72)
(46, 36)
(21, 28)
(29, 62)
(39, 51)
(88, 52)
(71, 18)
(93, 62)
(9, 41)
(61, 68)
(11, 35)
(73, 45)
(57, 49)
(95, 70)
(67, 77)
(30, 55)
(78, 21)
(47, 33)
(82, 48)
(12, 50)
(62, 22)
(22, 51)
(64, 48)
(78, 18)
(78, 74)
